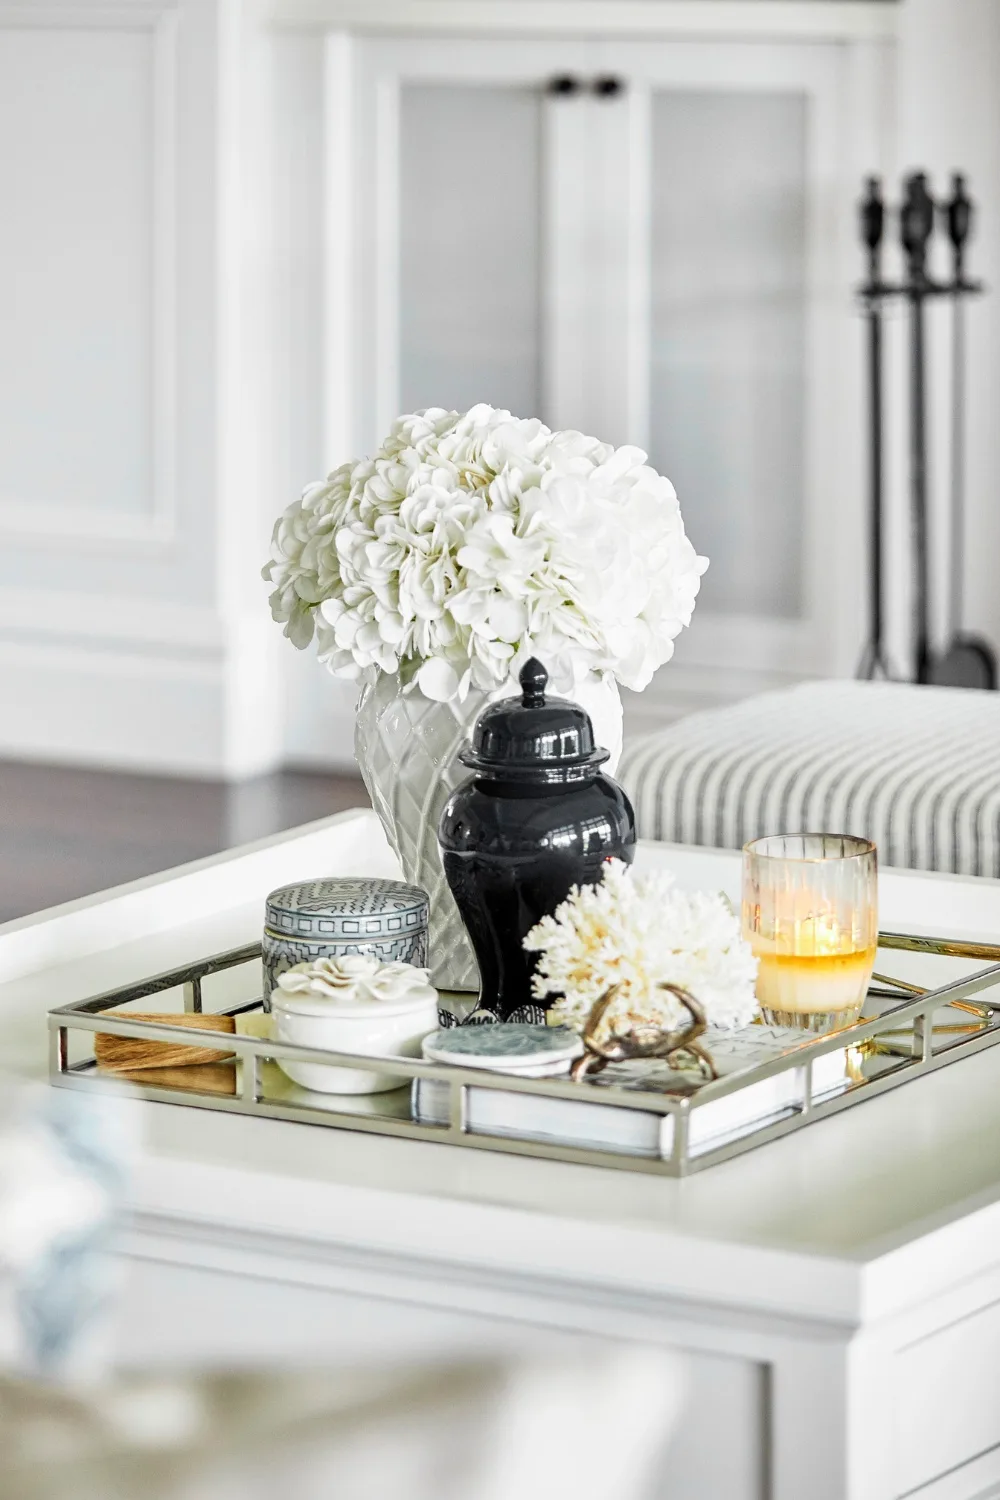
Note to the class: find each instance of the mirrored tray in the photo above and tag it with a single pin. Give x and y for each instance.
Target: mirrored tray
(644, 1117)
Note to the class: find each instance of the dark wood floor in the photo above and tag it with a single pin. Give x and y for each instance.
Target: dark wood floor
(66, 832)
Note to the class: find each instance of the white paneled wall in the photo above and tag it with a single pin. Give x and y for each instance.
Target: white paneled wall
(130, 453)
(86, 273)
(239, 235)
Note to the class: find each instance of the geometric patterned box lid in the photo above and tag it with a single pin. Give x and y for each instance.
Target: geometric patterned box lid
(352, 907)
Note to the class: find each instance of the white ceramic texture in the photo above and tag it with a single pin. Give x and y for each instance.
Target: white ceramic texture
(370, 1030)
(407, 748)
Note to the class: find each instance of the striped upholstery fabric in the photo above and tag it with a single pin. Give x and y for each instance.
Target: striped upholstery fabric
(917, 769)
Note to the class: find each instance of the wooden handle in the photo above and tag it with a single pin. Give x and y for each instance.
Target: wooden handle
(127, 1053)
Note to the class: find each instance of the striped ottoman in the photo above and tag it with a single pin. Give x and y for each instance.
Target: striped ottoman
(917, 769)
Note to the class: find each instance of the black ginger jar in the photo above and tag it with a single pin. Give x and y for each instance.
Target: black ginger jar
(536, 817)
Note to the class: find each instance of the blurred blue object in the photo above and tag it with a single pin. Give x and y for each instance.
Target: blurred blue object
(65, 1168)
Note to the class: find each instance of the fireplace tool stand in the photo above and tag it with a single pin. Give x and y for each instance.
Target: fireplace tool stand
(967, 661)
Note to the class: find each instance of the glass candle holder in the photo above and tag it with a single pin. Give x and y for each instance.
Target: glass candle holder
(810, 914)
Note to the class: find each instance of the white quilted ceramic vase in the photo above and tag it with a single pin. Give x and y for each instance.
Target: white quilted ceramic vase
(407, 748)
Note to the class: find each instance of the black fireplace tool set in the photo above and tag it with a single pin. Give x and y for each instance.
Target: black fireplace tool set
(968, 661)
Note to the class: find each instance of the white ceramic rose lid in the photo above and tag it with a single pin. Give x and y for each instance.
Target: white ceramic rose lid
(504, 1047)
(352, 985)
(333, 1008)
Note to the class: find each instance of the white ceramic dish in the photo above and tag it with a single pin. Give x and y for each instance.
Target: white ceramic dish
(392, 1027)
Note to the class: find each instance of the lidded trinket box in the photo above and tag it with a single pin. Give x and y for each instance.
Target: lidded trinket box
(536, 817)
(386, 919)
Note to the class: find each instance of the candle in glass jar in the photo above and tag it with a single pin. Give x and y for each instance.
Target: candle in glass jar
(809, 914)
(820, 968)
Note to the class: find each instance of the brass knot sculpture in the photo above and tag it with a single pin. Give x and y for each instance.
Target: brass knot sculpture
(651, 1041)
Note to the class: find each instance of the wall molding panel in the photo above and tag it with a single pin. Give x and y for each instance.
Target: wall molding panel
(65, 527)
(125, 639)
(150, 531)
(136, 624)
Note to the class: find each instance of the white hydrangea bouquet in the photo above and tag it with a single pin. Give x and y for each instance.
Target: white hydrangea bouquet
(631, 934)
(471, 542)
(432, 571)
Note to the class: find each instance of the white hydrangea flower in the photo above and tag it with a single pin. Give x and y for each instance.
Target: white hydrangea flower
(472, 541)
(637, 931)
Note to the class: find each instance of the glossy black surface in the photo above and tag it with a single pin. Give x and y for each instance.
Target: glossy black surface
(534, 738)
(537, 818)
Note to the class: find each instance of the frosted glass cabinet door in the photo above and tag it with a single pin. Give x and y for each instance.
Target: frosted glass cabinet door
(450, 146)
(744, 181)
(727, 355)
(469, 245)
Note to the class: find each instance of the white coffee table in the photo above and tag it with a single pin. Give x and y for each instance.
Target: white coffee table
(836, 1293)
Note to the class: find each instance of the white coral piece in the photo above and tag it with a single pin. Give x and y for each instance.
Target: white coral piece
(636, 931)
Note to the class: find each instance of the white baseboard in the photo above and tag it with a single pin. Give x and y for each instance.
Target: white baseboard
(319, 722)
(125, 710)
(680, 688)
(182, 696)
(121, 621)
(138, 684)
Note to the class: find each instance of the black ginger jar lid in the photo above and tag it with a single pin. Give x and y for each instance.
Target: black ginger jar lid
(534, 738)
